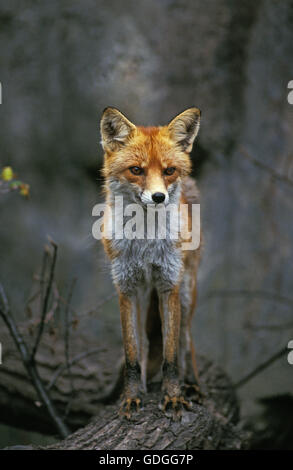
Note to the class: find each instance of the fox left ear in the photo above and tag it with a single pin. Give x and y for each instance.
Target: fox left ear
(115, 129)
(183, 128)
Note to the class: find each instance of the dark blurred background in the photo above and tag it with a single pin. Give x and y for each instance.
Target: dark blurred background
(63, 62)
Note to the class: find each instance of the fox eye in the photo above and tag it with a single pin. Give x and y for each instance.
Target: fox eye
(136, 170)
(169, 171)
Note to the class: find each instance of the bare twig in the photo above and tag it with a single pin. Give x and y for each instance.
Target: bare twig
(276, 326)
(228, 293)
(4, 301)
(30, 365)
(61, 301)
(46, 300)
(32, 298)
(43, 273)
(100, 304)
(248, 293)
(58, 298)
(267, 168)
(261, 367)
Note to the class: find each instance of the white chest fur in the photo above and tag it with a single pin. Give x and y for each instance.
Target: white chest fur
(144, 261)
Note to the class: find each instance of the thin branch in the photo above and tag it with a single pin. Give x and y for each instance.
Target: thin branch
(280, 326)
(60, 300)
(30, 365)
(248, 293)
(267, 168)
(99, 305)
(43, 273)
(57, 296)
(261, 367)
(46, 300)
(31, 299)
(4, 300)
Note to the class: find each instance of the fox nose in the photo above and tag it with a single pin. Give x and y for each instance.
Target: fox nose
(158, 197)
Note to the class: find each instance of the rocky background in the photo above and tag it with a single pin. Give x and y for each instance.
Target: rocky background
(63, 62)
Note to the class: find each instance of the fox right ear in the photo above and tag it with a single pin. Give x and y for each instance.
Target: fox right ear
(183, 128)
(115, 129)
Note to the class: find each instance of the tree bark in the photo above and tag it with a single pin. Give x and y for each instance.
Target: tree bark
(208, 426)
(212, 425)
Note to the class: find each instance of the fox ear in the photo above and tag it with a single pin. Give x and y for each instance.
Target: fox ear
(115, 129)
(183, 128)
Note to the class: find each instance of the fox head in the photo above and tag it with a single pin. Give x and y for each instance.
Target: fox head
(147, 163)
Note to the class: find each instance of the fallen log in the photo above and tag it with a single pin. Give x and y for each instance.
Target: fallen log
(212, 425)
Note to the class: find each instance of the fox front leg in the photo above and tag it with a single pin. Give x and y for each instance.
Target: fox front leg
(172, 400)
(132, 384)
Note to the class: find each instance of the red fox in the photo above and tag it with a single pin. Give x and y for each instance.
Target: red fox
(155, 278)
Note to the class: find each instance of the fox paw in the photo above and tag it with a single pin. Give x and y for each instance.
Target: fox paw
(130, 405)
(193, 392)
(173, 406)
